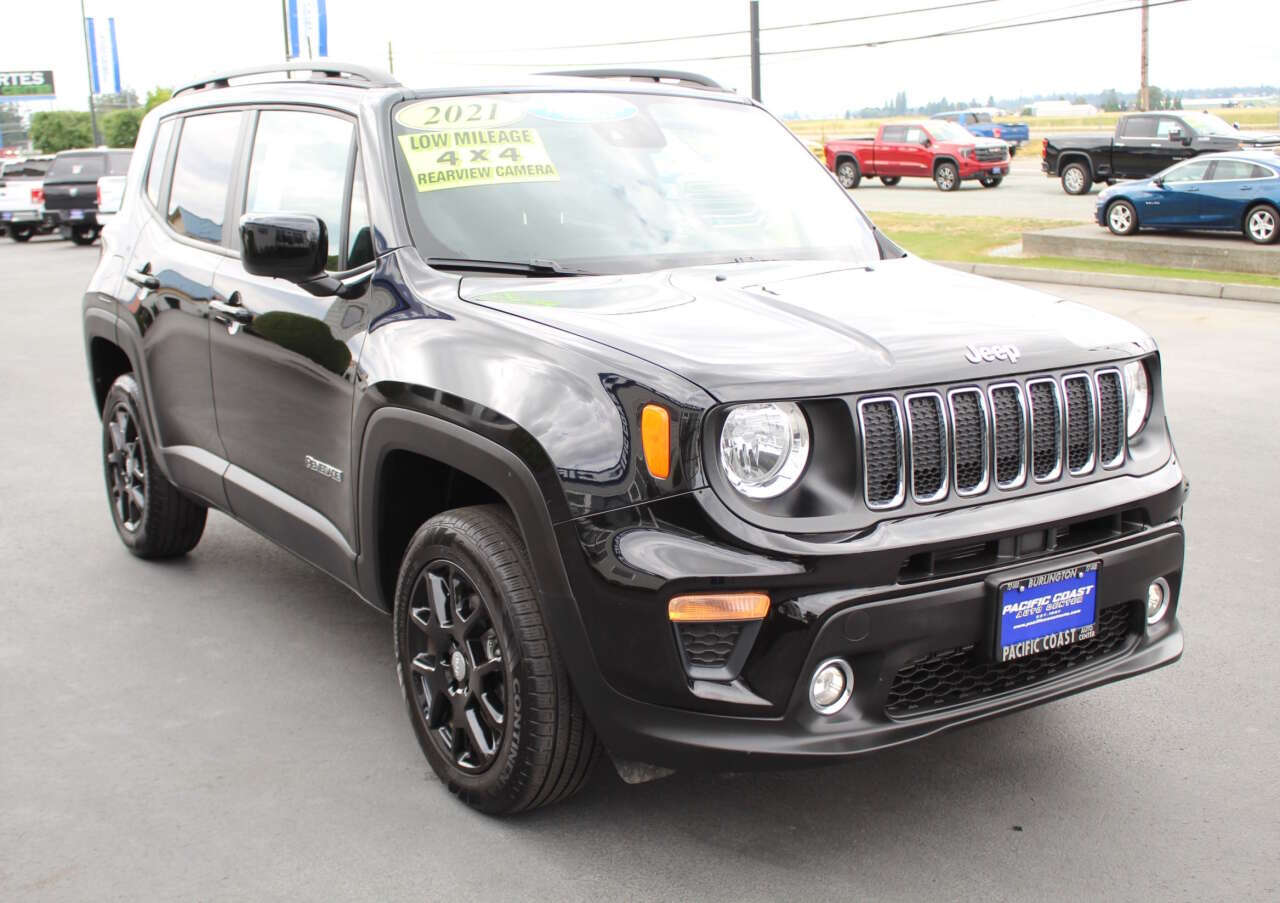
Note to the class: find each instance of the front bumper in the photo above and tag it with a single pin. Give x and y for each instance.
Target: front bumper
(974, 169)
(881, 627)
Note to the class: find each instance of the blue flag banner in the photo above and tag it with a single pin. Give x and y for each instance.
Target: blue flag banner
(104, 71)
(308, 29)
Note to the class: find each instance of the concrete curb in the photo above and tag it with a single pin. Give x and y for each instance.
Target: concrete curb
(1229, 290)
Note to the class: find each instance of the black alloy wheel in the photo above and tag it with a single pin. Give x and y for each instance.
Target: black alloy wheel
(459, 681)
(890, 181)
(126, 468)
(84, 235)
(22, 233)
(991, 181)
(153, 518)
(488, 696)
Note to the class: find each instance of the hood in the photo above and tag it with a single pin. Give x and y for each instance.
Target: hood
(805, 328)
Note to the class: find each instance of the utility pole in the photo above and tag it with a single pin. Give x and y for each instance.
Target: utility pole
(284, 21)
(88, 59)
(391, 60)
(755, 50)
(1144, 92)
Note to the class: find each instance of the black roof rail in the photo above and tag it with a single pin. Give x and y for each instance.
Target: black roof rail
(352, 74)
(687, 79)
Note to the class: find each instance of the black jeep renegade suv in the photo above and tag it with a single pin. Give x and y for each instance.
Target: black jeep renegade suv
(644, 436)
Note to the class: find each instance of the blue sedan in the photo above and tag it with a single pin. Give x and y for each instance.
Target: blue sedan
(1234, 191)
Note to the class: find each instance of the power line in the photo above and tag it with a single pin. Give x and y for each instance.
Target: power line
(726, 34)
(881, 43)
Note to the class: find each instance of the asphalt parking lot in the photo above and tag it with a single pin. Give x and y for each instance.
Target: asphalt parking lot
(228, 726)
(1025, 192)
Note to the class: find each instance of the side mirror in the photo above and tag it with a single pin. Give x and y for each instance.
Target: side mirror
(1158, 182)
(1236, 126)
(1175, 135)
(927, 143)
(290, 246)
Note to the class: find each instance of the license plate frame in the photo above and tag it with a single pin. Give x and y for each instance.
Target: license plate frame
(1039, 612)
(75, 214)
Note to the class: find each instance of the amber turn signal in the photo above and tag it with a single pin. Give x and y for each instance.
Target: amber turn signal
(655, 432)
(718, 607)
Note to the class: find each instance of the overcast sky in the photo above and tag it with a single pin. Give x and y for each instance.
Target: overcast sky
(1198, 43)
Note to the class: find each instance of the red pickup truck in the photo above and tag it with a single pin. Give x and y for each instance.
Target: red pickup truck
(934, 149)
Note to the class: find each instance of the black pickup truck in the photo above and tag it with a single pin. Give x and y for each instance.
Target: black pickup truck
(1143, 144)
(71, 190)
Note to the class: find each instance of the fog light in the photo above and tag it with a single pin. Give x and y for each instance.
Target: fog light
(831, 687)
(1157, 600)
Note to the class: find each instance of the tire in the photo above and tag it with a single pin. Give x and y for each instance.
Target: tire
(84, 235)
(890, 181)
(946, 176)
(541, 748)
(22, 233)
(1013, 151)
(848, 173)
(152, 516)
(1122, 218)
(991, 181)
(1076, 179)
(1262, 224)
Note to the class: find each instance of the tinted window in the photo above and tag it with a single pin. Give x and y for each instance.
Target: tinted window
(1187, 172)
(77, 166)
(895, 133)
(359, 235)
(1238, 169)
(1139, 127)
(118, 162)
(299, 165)
(27, 169)
(198, 196)
(1165, 126)
(159, 157)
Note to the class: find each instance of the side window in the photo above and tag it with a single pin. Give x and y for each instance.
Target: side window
(299, 165)
(1139, 127)
(894, 133)
(1236, 169)
(201, 173)
(359, 233)
(159, 159)
(1165, 125)
(915, 135)
(1188, 172)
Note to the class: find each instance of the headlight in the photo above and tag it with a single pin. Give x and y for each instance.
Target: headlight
(763, 448)
(1137, 396)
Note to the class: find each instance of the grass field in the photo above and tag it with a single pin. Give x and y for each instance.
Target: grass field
(973, 239)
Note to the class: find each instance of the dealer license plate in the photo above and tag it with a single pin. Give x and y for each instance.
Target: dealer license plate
(1046, 611)
(76, 214)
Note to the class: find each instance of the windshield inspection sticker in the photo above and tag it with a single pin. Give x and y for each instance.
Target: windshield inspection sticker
(464, 158)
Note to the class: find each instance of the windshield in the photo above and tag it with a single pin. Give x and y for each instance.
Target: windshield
(616, 183)
(942, 130)
(1208, 124)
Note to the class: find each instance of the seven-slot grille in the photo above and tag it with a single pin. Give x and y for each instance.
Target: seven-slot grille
(972, 439)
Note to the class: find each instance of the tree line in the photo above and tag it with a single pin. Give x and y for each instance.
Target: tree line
(52, 131)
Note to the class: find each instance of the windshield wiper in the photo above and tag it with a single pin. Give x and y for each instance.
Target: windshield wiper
(532, 268)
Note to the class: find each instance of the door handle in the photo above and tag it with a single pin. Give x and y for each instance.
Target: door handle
(142, 277)
(231, 311)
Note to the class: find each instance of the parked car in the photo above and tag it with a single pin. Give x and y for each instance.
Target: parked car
(1235, 192)
(978, 122)
(641, 452)
(71, 190)
(110, 197)
(1143, 145)
(933, 149)
(22, 197)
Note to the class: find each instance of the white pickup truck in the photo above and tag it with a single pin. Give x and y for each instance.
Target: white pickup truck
(22, 197)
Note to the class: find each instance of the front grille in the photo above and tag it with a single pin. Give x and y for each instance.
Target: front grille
(881, 452)
(709, 644)
(1111, 426)
(970, 440)
(957, 676)
(990, 154)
